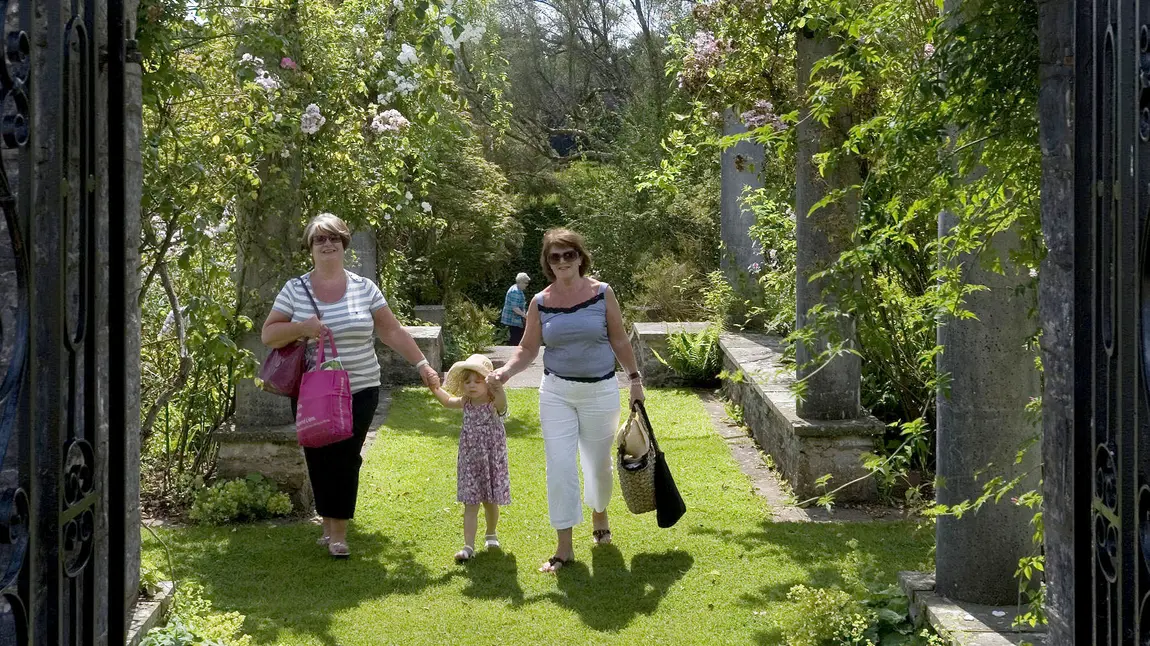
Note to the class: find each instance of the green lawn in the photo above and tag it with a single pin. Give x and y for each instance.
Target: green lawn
(720, 576)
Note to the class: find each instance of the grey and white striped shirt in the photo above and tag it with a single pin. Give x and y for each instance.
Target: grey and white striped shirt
(350, 320)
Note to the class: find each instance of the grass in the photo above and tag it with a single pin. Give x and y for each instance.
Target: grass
(721, 575)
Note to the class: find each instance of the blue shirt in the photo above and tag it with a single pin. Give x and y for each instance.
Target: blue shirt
(514, 298)
(576, 338)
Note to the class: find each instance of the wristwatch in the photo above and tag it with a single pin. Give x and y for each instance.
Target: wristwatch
(636, 377)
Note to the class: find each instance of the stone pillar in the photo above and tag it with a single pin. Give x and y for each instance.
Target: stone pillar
(833, 389)
(982, 422)
(740, 169)
(133, 191)
(362, 259)
(1056, 310)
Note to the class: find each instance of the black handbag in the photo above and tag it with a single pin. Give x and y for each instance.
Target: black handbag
(669, 505)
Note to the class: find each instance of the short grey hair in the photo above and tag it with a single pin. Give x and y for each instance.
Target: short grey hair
(522, 277)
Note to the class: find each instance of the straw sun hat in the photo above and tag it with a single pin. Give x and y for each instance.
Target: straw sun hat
(477, 363)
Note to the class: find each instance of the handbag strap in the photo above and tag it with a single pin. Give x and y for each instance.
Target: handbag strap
(637, 406)
(307, 291)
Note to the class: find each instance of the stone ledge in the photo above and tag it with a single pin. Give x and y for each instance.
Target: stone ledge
(804, 450)
(150, 613)
(960, 623)
(649, 338)
(395, 370)
(271, 451)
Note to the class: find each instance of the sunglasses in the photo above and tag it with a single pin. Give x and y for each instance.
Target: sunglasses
(321, 240)
(567, 256)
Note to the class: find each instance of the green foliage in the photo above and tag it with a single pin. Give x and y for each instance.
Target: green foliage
(695, 356)
(773, 306)
(194, 622)
(863, 612)
(468, 329)
(243, 499)
(668, 290)
(624, 227)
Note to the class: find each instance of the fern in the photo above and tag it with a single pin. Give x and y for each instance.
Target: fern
(695, 357)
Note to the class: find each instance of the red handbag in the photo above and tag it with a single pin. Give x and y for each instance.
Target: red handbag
(282, 371)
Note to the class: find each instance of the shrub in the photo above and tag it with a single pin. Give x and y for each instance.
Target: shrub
(244, 499)
(467, 330)
(195, 623)
(668, 291)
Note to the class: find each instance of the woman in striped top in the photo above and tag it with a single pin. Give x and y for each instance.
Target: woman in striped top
(352, 307)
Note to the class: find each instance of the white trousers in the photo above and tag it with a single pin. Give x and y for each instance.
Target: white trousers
(578, 417)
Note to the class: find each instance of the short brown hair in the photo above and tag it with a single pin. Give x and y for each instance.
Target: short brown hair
(328, 224)
(564, 238)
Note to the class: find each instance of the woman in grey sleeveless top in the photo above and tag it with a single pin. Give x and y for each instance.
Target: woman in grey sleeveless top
(580, 322)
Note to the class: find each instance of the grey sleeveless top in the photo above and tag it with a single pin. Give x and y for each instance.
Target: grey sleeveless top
(576, 339)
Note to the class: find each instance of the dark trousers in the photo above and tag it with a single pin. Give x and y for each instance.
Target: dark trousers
(334, 469)
(516, 334)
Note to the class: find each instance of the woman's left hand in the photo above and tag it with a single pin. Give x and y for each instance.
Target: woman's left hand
(637, 393)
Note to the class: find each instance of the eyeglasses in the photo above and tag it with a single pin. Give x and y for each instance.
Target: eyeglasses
(556, 257)
(320, 240)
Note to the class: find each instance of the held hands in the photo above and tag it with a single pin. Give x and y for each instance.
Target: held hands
(429, 377)
(495, 378)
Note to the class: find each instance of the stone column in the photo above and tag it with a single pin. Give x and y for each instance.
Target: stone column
(264, 262)
(982, 424)
(982, 420)
(133, 191)
(740, 169)
(362, 259)
(1056, 309)
(833, 389)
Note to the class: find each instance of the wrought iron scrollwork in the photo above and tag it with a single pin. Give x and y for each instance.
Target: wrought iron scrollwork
(14, 507)
(1113, 301)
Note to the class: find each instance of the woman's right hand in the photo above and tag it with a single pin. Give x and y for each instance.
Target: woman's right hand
(312, 327)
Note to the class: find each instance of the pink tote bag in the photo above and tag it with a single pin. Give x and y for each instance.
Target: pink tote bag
(323, 415)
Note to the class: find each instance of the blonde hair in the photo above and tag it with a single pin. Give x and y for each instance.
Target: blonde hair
(329, 224)
(564, 238)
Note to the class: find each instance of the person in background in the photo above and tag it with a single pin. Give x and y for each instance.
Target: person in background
(515, 308)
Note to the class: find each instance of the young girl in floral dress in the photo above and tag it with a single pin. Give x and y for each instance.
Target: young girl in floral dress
(482, 464)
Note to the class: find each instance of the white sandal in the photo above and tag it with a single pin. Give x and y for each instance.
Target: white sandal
(465, 554)
(491, 542)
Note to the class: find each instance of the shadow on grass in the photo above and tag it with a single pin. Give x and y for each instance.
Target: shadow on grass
(282, 581)
(607, 596)
(832, 554)
(492, 575)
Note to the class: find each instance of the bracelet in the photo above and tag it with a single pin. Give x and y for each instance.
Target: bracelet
(422, 362)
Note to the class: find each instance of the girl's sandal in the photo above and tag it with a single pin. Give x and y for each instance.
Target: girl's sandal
(338, 549)
(465, 554)
(601, 536)
(554, 564)
(491, 542)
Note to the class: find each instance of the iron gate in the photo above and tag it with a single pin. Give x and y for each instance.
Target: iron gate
(61, 396)
(1112, 352)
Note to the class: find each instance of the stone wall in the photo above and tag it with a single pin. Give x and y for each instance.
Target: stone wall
(272, 452)
(803, 450)
(647, 339)
(395, 370)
